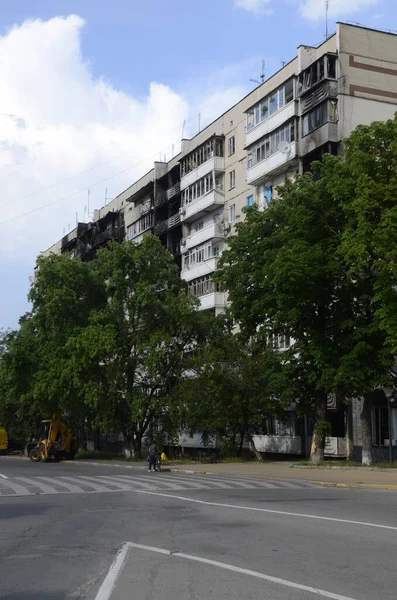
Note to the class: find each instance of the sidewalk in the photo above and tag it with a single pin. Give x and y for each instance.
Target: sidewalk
(338, 477)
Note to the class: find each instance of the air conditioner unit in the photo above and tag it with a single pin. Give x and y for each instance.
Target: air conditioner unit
(182, 212)
(183, 242)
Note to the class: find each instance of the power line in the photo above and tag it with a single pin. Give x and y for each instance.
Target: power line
(49, 187)
(85, 189)
(68, 195)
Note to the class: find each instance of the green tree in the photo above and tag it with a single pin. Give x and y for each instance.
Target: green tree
(18, 366)
(135, 341)
(285, 271)
(63, 295)
(228, 388)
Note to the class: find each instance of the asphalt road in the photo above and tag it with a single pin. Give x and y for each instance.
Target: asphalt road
(71, 532)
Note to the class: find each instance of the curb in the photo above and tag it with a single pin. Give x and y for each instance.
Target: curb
(342, 468)
(374, 486)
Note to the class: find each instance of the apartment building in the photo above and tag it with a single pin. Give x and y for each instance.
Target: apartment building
(194, 201)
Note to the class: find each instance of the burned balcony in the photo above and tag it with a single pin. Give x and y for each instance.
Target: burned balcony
(324, 68)
(167, 224)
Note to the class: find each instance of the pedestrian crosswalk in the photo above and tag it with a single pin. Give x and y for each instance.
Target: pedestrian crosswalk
(90, 484)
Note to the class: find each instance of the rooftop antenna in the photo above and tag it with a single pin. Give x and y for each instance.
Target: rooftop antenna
(172, 150)
(106, 196)
(262, 75)
(183, 128)
(89, 215)
(326, 18)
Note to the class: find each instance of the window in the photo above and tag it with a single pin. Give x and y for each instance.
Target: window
(202, 286)
(250, 119)
(267, 194)
(328, 111)
(380, 426)
(323, 68)
(200, 254)
(232, 213)
(199, 226)
(211, 148)
(232, 179)
(250, 200)
(231, 145)
(270, 105)
(278, 341)
(141, 225)
(269, 145)
(198, 189)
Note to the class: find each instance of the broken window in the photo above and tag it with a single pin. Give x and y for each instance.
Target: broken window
(331, 67)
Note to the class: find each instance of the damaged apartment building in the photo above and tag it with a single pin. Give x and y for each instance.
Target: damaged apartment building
(194, 201)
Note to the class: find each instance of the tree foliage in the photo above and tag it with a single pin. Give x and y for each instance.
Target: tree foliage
(229, 387)
(306, 267)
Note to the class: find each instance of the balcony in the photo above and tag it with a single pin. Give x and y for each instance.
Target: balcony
(214, 300)
(174, 191)
(318, 137)
(170, 223)
(282, 116)
(329, 89)
(202, 205)
(204, 268)
(215, 163)
(211, 231)
(277, 163)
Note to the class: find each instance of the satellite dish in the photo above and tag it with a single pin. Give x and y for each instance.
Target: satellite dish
(284, 147)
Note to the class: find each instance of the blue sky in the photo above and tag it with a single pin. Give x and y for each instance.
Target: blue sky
(104, 92)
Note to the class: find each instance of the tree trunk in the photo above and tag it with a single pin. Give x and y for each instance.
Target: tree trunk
(366, 430)
(137, 446)
(128, 449)
(349, 431)
(240, 446)
(253, 447)
(318, 439)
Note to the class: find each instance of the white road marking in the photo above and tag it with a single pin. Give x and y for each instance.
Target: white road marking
(122, 484)
(228, 567)
(69, 486)
(47, 489)
(20, 490)
(152, 483)
(109, 583)
(268, 510)
(172, 482)
(86, 480)
(3, 476)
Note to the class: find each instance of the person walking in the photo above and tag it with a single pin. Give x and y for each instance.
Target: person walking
(152, 457)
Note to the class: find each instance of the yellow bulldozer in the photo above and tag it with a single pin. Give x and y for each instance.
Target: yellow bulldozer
(53, 441)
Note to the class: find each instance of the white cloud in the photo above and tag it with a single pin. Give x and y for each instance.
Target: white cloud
(257, 7)
(315, 9)
(56, 121)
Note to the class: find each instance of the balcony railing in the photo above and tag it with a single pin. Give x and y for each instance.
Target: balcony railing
(211, 231)
(164, 226)
(174, 190)
(160, 199)
(329, 89)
